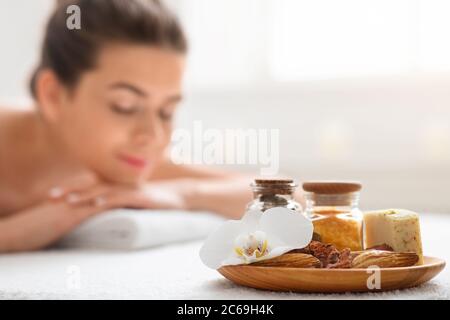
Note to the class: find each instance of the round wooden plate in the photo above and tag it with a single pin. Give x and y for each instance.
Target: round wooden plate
(331, 280)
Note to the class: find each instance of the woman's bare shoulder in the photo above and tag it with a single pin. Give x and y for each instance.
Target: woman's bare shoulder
(10, 121)
(7, 115)
(12, 110)
(10, 115)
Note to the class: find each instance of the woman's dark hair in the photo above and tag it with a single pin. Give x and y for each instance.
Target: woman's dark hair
(69, 53)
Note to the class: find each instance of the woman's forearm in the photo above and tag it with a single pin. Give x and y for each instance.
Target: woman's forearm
(5, 237)
(227, 197)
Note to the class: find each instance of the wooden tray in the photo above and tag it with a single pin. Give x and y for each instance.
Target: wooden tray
(331, 280)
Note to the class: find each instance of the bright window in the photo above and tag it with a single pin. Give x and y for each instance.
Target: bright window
(251, 41)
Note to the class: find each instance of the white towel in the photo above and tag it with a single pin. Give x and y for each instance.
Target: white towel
(127, 229)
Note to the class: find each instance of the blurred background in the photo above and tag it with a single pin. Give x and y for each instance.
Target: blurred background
(359, 89)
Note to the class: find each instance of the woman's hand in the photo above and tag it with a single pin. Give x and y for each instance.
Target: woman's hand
(68, 206)
(155, 195)
(41, 225)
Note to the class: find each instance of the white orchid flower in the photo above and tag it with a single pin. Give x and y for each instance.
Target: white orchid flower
(257, 236)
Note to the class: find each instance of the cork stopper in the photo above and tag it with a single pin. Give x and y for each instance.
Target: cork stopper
(273, 181)
(273, 186)
(332, 187)
(332, 193)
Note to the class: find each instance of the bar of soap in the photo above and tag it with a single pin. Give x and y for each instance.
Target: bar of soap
(397, 228)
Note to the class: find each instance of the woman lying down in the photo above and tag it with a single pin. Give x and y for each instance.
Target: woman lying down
(105, 97)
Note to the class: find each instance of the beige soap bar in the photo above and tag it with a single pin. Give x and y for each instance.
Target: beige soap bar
(396, 228)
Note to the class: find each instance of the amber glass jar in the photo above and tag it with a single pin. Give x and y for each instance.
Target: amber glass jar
(269, 193)
(333, 208)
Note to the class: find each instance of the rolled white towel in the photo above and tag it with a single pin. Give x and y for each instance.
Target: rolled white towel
(128, 229)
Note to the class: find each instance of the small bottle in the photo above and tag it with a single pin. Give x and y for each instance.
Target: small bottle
(270, 193)
(333, 208)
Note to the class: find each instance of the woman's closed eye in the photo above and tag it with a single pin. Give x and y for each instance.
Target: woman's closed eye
(123, 109)
(166, 115)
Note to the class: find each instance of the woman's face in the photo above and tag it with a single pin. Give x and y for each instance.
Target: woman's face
(118, 119)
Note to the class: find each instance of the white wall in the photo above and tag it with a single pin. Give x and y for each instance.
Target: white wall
(21, 26)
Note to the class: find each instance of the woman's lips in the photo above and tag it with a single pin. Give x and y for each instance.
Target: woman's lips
(134, 161)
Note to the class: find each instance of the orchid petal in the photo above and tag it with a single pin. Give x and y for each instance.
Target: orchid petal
(219, 244)
(291, 227)
(251, 219)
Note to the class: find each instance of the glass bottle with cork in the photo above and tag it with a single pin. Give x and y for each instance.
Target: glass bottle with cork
(333, 208)
(270, 193)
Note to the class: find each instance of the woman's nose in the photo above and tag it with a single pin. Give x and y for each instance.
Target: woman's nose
(150, 131)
